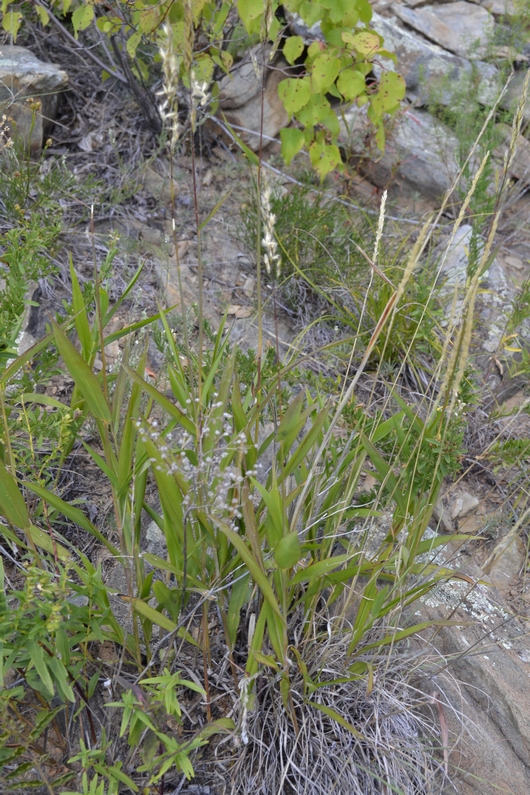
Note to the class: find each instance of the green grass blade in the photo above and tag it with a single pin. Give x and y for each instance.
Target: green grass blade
(84, 378)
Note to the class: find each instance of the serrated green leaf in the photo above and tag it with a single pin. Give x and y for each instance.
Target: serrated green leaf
(315, 111)
(293, 48)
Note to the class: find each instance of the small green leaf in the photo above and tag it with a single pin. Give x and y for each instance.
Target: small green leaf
(42, 14)
(324, 157)
(82, 17)
(294, 93)
(292, 142)
(250, 13)
(288, 551)
(293, 48)
(351, 83)
(11, 21)
(132, 43)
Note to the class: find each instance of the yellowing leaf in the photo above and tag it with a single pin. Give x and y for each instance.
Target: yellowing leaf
(324, 157)
(324, 71)
(365, 43)
(294, 93)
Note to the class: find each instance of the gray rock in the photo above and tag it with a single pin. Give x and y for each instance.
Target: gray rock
(455, 259)
(513, 95)
(463, 504)
(520, 168)
(247, 119)
(430, 71)
(23, 77)
(245, 79)
(460, 27)
(420, 151)
(498, 8)
(487, 702)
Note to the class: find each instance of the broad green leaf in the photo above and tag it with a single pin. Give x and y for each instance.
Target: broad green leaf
(37, 658)
(84, 378)
(82, 17)
(390, 92)
(150, 19)
(250, 13)
(324, 71)
(315, 111)
(288, 551)
(293, 48)
(11, 22)
(294, 93)
(324, 157)
(351, 83)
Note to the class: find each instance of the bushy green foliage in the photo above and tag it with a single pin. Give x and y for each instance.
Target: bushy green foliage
(199, 41)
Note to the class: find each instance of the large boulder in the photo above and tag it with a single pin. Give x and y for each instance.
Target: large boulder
(460, 27)
(29, 90)
(431, 72)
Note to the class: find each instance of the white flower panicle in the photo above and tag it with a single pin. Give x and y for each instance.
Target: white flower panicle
(380, 225)
(168, 107)
(271, 258)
